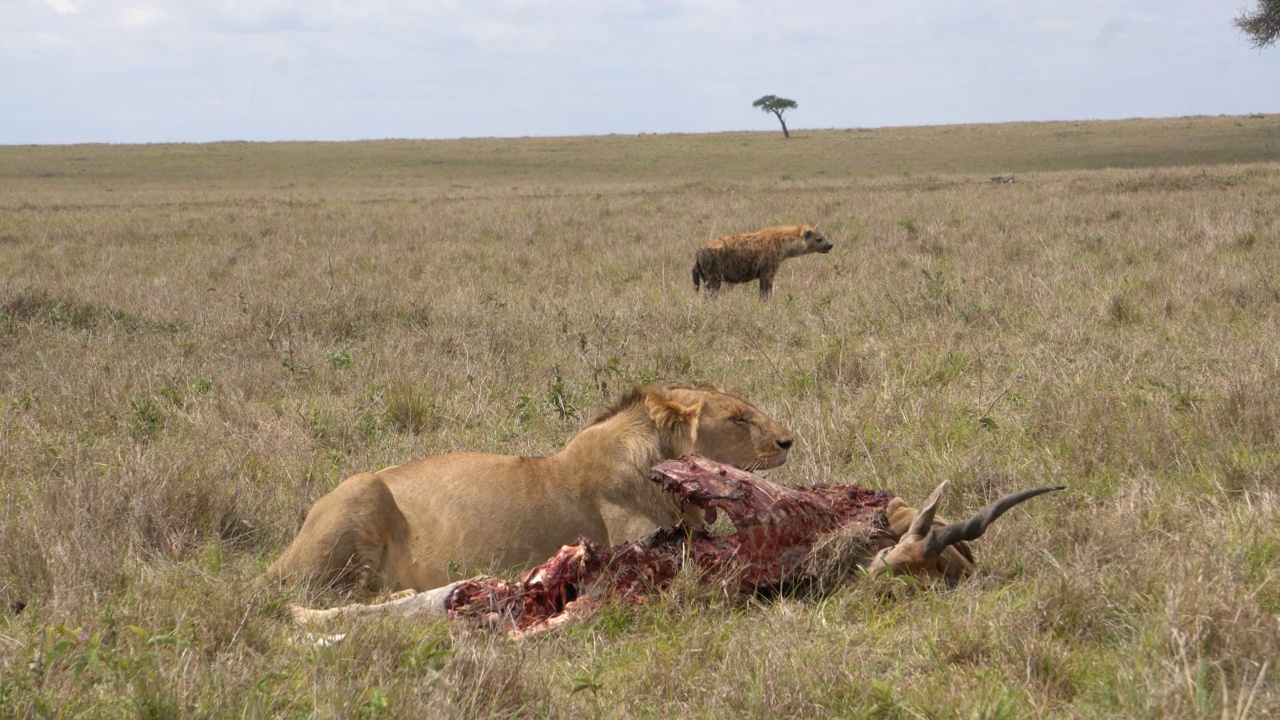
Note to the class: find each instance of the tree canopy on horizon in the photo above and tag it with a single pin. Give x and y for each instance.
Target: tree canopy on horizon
(778, 106)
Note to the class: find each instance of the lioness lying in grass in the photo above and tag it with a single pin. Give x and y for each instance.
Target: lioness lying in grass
(425, 523)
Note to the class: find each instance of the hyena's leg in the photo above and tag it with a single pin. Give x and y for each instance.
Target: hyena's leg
(766, 285)
(711, 282)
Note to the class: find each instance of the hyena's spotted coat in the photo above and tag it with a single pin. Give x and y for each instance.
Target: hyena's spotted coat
(751, 256)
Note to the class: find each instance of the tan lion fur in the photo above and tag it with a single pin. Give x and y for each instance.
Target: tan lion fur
(446, 517)
(750, 256)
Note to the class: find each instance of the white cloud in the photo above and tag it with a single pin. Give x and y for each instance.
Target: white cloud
(63, 7)
(140, 16)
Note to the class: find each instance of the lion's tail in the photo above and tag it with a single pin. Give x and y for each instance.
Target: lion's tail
(697, 275)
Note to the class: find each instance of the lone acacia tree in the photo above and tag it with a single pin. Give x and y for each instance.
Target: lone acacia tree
(778, 106)
(1262, 25)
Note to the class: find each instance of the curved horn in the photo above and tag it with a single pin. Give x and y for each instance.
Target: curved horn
(941, 538)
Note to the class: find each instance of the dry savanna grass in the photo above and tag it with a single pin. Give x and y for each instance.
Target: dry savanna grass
(198, 341)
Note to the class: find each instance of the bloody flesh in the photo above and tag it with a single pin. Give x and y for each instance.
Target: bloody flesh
(775, 529)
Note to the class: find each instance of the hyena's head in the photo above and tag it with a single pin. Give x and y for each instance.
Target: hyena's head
(815, 241)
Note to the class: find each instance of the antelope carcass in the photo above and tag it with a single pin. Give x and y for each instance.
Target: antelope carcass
(776, 531)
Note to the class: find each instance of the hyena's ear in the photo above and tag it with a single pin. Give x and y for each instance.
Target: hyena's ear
(808, 233)
(673, 417)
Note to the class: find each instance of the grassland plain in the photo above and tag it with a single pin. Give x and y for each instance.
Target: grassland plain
(197, 341)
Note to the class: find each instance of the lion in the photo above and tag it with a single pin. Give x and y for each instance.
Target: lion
(743, 258)
(443, 518)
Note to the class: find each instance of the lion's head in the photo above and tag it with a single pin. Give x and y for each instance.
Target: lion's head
(708, 421)
(735, 432)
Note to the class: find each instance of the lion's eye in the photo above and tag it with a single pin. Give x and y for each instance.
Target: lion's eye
(742, 420)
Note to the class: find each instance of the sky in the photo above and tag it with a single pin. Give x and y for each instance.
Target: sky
(137, 71)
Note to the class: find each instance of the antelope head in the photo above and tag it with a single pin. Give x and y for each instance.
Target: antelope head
(931, 552)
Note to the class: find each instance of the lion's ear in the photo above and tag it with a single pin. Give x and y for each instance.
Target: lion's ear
(673, 417)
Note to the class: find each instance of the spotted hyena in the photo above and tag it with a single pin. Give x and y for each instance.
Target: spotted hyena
(757, 255)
